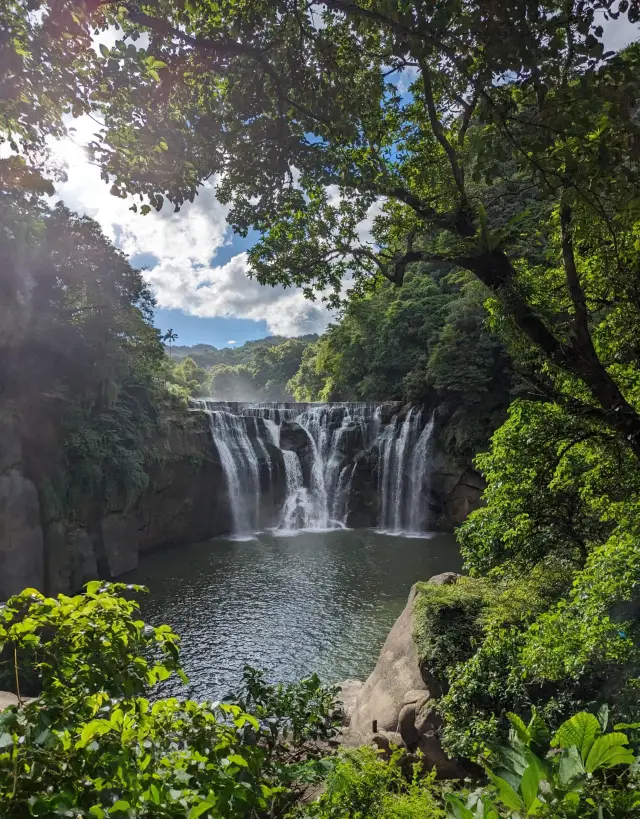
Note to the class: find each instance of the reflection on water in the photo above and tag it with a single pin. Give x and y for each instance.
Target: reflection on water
(319, 602)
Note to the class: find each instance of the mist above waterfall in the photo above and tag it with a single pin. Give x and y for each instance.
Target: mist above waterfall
(290, 467)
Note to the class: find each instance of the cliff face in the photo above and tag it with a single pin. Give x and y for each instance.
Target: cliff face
(454, 488)
(185, 502)
(21, 541)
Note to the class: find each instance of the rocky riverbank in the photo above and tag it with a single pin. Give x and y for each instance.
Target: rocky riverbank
(394, 706)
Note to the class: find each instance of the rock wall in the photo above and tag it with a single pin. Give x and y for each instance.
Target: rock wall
(185, 502)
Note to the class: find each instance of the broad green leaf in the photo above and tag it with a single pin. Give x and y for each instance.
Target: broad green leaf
(120, 805)
(506, 794)
(529, 786)
(96, 810)
(198, 810)
(609, 750)
(570, 768)
(581, 730)
(6, 740)
(456, 808)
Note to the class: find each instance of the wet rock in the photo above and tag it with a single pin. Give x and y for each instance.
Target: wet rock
(295, 438)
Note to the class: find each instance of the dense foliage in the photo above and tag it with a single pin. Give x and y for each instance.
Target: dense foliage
(427, 342)
(82, 370)
(256, 371)
(92, 744)
(582, 771)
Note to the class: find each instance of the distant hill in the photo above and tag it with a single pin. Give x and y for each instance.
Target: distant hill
(206, 355)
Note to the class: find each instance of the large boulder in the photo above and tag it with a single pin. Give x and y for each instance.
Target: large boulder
(395, 705)
(295, 438)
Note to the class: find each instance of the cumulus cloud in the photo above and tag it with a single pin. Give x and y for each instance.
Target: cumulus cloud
(179, 250)
(227, 291)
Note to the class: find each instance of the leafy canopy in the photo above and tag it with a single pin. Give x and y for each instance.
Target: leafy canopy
(513, 154)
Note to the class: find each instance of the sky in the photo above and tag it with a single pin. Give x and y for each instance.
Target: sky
(195, 265)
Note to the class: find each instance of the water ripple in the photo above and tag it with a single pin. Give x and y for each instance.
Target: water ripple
(319, 602)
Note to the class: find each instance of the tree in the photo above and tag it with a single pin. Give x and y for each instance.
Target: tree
(170, 337)
(509, 103)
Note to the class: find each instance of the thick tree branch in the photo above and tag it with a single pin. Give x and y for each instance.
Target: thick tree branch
(581, 320)
(438, 131)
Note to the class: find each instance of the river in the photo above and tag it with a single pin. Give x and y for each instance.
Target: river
(320, 602)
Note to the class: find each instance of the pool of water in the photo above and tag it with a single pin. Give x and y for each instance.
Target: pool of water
(319, 602)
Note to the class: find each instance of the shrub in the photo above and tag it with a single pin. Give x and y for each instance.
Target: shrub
(363, 785)
(93, 745)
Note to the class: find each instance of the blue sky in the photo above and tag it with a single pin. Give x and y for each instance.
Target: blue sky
(219, 331)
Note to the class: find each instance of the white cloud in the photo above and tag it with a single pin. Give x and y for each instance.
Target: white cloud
(184, 245)
(227, 291)
(232, 342)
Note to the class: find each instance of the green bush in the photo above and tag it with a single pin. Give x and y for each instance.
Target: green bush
(583, 771)
(471, 635)
(93, 745)
(363, 785)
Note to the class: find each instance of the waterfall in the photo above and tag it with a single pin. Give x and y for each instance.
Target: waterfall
(403, 473)
(233, 457)
(295, 514)
(418, 483)
(319, 456)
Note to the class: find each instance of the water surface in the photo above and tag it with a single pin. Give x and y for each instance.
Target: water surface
(319, 602)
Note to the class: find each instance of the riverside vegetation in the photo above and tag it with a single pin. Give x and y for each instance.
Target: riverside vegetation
(494, 149)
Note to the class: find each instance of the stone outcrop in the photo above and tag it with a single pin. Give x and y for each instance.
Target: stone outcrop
(295, 438)
(185, 502)
(21, 543)
(395, 705)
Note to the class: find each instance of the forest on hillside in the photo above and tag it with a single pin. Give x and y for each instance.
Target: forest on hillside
(470, 171)
(255, 371)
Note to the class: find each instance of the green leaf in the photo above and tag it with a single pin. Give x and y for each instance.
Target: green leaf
(581, 730)
(120, 805)
(521, 730)
(96, 810)
(608, 751)
(198, 810)
(603, 716)
(506, 794)
(236, 759)
(104, 50)
(570, 768)
(529, 786)
(456, 808)
(6, 740)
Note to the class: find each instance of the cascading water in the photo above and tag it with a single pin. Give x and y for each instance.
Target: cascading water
(320, 445)
(419, 480)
